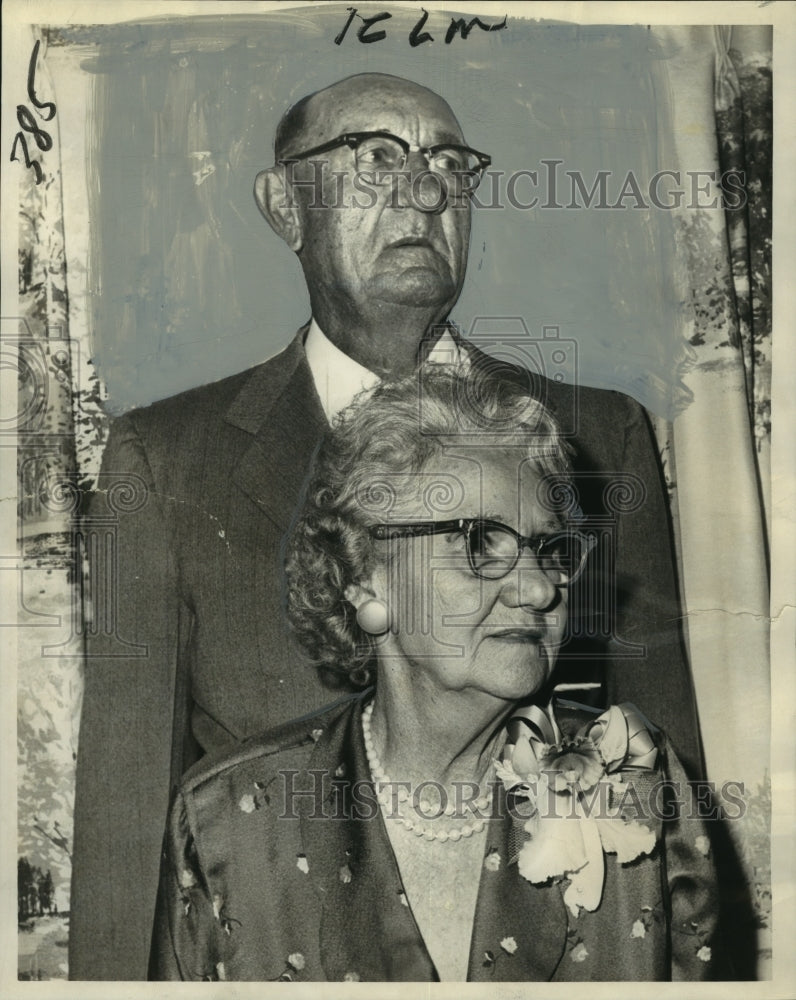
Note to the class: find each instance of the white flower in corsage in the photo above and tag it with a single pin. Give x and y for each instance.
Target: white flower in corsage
(570, 784)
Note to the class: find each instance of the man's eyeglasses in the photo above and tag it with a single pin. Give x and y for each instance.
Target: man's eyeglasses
(383, 152)
(493, 549)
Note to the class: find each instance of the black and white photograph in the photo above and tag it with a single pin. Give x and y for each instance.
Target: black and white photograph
(398, 497)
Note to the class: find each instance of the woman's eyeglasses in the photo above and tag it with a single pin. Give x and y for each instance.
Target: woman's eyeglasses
(494, 549)
(383, 152)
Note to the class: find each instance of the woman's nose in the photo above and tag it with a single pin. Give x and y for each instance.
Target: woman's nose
(527, 585)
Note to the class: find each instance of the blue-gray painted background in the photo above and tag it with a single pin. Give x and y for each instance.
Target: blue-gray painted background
(188, 282)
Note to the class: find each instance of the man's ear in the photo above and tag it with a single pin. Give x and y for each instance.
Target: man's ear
(277, 202)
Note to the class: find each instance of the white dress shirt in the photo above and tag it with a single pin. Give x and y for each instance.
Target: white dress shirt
(338, 378)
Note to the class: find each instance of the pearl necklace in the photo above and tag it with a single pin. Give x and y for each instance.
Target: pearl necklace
(426, 830)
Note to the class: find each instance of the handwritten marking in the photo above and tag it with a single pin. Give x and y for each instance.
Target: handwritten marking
(416, 36)
(27, 123)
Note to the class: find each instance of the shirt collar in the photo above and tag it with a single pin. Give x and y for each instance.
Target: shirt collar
(338, 378)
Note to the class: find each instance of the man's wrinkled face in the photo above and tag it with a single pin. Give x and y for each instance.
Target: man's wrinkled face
(375, 242)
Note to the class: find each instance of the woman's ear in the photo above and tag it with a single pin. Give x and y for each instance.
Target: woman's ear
(373, 615)
(358, 593)
(277, 202)
(369, 588)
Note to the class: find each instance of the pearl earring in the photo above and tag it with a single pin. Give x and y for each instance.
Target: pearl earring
(373, 617)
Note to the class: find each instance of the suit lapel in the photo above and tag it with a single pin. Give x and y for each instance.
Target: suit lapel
(279, 407)
(512, 910)
(366, 928)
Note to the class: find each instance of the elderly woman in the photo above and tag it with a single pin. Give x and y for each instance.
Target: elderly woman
(452, 822)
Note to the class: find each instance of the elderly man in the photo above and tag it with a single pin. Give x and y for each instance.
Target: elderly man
(221, 468)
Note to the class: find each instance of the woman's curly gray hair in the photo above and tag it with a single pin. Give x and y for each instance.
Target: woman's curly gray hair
(366, 471)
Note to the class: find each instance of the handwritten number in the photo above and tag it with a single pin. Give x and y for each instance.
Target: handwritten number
(32, 89)
(367, 24)
(339, 38)
(417, 36)
(20, 138)
(28, 123)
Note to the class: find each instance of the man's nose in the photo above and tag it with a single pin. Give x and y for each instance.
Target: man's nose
(418, 187)
(527, 585)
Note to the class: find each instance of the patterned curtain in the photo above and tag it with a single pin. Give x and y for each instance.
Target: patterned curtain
(717, 451)
(59, 429)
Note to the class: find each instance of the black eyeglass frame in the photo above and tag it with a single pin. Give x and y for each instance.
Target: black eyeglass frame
(535, 543)
(353, 140)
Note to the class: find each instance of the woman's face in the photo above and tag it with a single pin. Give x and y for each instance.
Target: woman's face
(461, 632)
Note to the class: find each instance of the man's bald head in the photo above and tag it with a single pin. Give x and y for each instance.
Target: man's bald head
(383, 267)
(320, 116)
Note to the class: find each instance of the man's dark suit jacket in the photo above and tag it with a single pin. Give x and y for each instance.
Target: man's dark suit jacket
(192, 652)
(278, 860)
